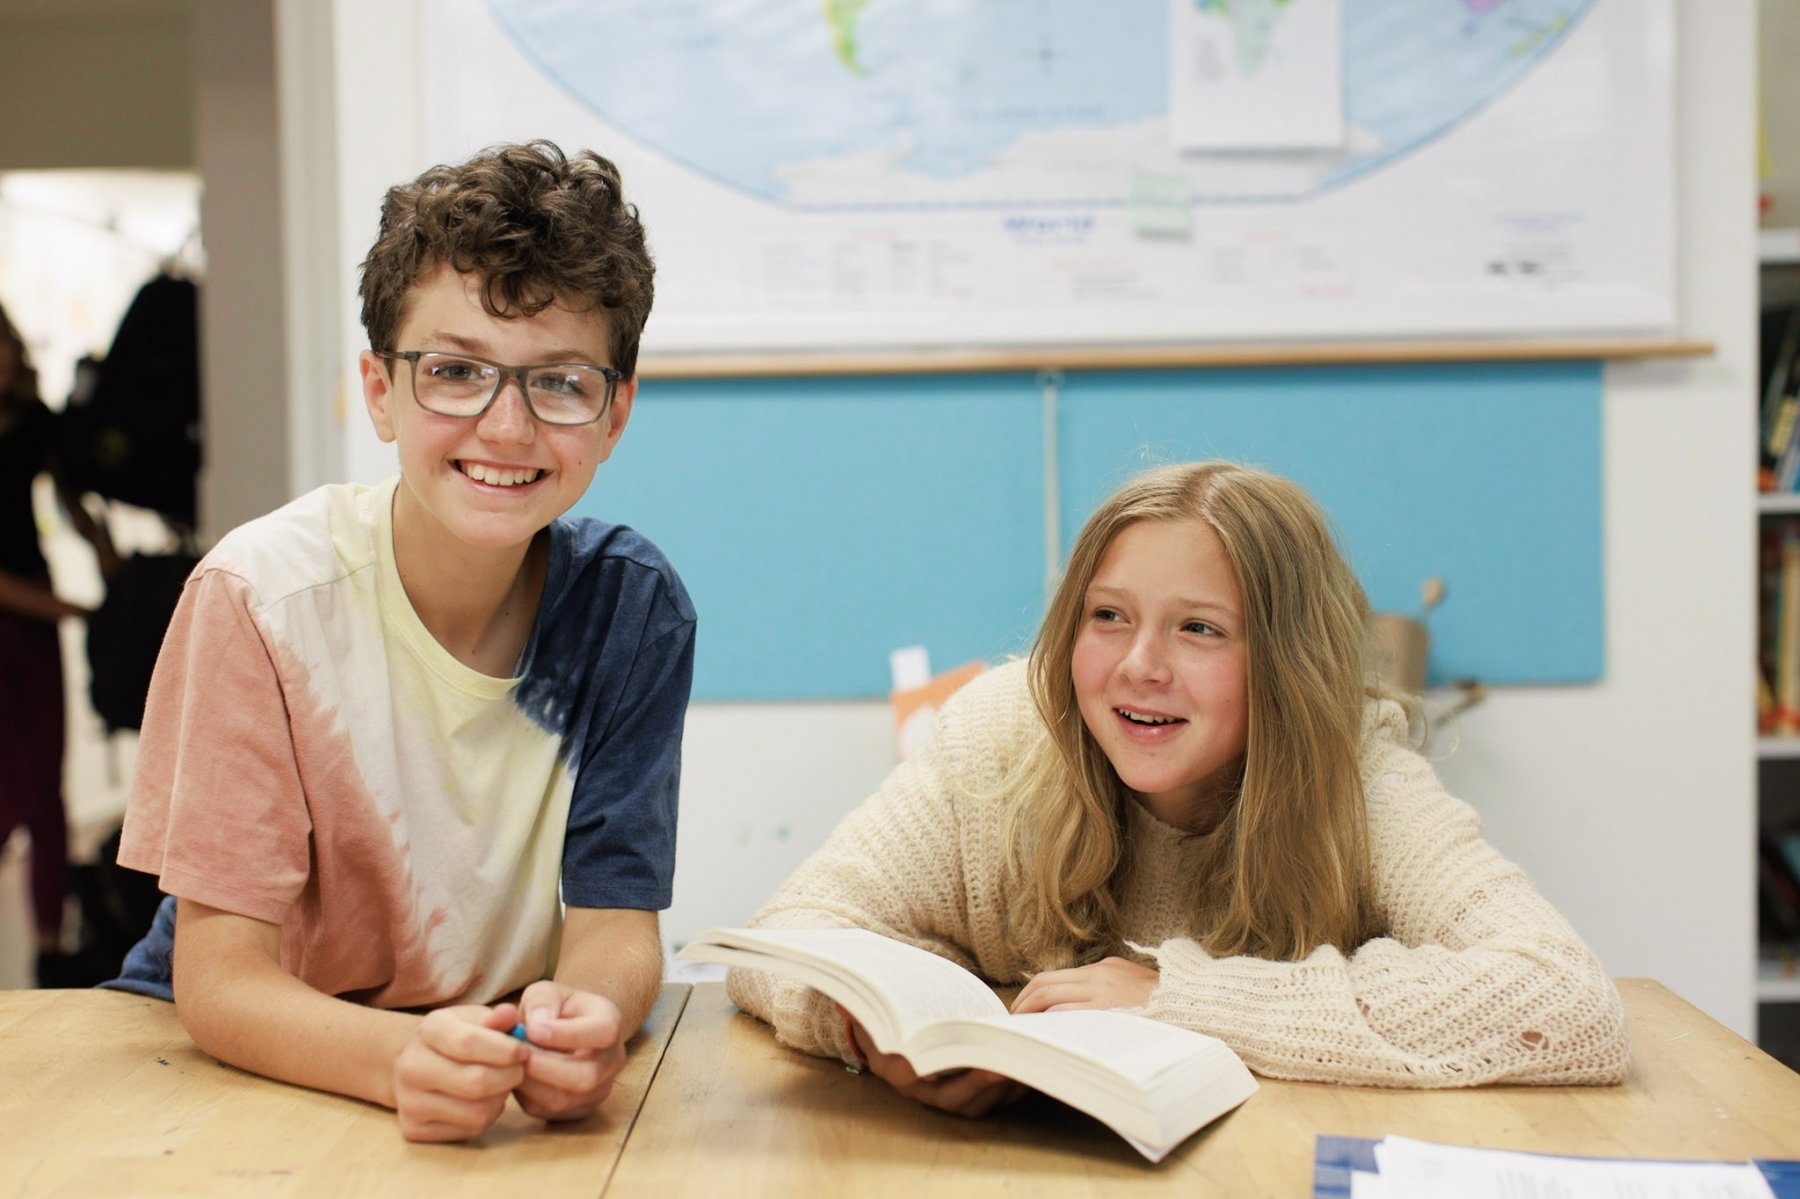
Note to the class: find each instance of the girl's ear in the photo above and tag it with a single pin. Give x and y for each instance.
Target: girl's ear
(378, 393)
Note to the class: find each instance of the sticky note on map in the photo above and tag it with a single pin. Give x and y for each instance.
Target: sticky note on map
(1161, 205)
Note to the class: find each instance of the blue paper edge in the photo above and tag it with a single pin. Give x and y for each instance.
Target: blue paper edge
(1336, 1158)
(1782, 1176)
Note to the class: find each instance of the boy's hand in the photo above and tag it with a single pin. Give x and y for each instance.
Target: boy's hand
(452, 1078)
(1113, 983)
(576, 1051)
(960, 1092)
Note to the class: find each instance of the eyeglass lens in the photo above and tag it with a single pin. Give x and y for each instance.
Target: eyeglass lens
(562, 394)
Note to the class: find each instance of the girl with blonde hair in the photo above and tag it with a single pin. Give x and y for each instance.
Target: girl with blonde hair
(1195, 802)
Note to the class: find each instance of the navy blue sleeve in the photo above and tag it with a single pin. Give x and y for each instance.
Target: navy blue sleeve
(608, 668)
(620, 849)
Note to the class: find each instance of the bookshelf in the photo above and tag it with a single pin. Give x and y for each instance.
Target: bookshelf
(1777, 985)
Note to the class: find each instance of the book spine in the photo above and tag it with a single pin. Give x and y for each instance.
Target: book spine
(1768, 620)
(1765, 703)
(1787, 646)
(1781, 893)
(1778, 383)
(1789, 844)
(1780, 340)
(1781, 429)
(1787, 466)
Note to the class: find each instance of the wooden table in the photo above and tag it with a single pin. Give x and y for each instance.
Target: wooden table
(734, 1113)
(104, 1094)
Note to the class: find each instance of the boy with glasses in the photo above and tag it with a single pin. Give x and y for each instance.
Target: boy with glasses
(391, 727)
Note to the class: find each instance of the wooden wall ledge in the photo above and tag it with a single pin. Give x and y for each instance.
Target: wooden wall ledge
(1154, 357)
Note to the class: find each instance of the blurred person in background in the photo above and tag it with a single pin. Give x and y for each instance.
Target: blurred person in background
(31, 672)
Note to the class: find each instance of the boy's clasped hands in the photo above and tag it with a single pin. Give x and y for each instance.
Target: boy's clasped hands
(452, 1079)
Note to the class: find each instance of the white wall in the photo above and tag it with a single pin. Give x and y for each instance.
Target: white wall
(1629, 801)
(379, 143)
(244, 344)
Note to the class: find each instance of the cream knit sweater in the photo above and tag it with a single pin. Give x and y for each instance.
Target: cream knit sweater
(1476, 980)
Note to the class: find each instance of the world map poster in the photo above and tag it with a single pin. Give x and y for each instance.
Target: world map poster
(832, 174)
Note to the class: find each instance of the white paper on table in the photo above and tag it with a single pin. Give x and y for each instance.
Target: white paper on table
(1422, 1170)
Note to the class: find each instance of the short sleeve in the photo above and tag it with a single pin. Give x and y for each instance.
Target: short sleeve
(216, 809)
(620, 848)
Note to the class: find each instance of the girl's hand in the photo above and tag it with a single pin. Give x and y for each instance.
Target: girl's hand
(452, 1077)
(1112, 983)
(960, 1092)
(575, 1051)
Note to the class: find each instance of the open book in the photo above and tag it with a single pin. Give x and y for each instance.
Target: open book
(1152, 1083)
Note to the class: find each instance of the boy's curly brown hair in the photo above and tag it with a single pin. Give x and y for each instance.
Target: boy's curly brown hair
(536, 226)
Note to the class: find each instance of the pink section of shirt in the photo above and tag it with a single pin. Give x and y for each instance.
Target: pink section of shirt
(247, 798)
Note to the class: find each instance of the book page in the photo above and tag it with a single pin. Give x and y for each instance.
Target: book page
(1150, 1082)
(1133, 1047)
(922, 986)
(919, 986)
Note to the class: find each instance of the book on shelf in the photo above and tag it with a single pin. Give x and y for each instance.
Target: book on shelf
(1765, 702)
(1768, 618)
(1778, 627)
(1778, 347)
(1778, 459)
(1786, 679)
(1788, 843)
(1778, 891)
(1785, 473)
(1776, 962)
(1403, 1168)
(1152, 1083)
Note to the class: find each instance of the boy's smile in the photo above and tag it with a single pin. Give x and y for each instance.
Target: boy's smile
(500, 476)
(489, 482)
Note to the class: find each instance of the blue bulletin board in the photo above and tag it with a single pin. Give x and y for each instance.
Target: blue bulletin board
(1486, 476)
(821, 522)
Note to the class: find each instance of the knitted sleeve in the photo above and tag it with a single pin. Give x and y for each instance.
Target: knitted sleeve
(899, 865)
(1478, 979)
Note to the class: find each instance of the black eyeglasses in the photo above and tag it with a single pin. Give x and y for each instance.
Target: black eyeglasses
(563, 393)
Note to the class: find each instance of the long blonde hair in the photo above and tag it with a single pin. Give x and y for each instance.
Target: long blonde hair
(1287, 869)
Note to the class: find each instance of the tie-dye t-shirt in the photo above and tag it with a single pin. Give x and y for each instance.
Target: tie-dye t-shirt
(313, 758)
